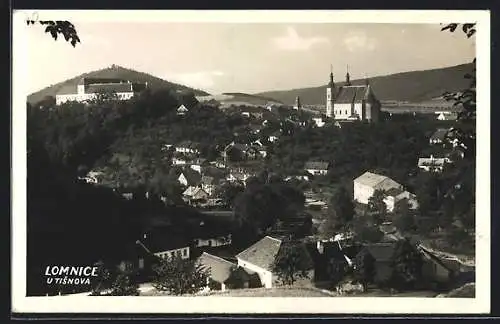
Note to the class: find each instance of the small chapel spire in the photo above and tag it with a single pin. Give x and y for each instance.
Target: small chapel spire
(348, 77)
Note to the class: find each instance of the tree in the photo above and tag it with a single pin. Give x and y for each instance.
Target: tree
(364, 268)
(407, 263)
(377, 206)
(404, 219)
(342, 206)
(292, 263)
(56, 28)
(125, 284)
(179, 276)
(228, 192)
(104, 280)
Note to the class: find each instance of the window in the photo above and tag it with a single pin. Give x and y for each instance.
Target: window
(184, 252)
(346, 112)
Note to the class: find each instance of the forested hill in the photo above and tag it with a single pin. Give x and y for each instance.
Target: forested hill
(415, 86)
(115, 72)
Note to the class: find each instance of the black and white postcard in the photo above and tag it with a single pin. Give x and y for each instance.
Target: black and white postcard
(251, 162)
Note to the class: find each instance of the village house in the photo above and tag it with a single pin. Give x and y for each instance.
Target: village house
(94, 177)
(316, 167)
(439, 136)
(163, 246)
(260, 257)
(210, 183)
(447, 115)
(434, 270)
(255, 129)
(199, 164)
(182, 110)
(238, 176)
(318, 121)
(239, 151)
(366, 185)
(188, 147)
(212, 236)
(274, 136)
(432, 164)
(224, 274)
(179, 160)
(189, 178)
(195, 194)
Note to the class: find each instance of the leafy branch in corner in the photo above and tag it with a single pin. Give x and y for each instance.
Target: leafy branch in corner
(466, 97)
(59, 27)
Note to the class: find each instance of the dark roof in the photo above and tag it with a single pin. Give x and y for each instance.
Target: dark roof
(158, 242)
(439, 134)
(220, 269)
(312, 165)
(87, 81)
(193, 177)
(381, 251)
(394, 191)
(352, 94)
(111, 87)
(262, 253)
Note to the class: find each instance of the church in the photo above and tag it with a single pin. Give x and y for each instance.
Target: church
(351, 102)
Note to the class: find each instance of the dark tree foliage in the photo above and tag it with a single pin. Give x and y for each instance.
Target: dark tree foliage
(377, 206)
(407, 264)
(292, 263)
(262, 204)
(180, 276)
(59, 27)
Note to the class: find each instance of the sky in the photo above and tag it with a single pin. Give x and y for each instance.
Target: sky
(244, 57)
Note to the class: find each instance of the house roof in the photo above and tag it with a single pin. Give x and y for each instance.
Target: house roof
(316, 165)
(262, 253)
(193, 177)
(382, 251)
(220, 269)
(188, 144)
(377, 181)
(439, 134)
(448, 116)
(182, 108)
(394, 192)
(159, 242)
(116, 87)
(431, 161)
(353, 94)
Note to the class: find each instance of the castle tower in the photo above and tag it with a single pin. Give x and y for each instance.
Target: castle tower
(330, 96)
(298, 105)
(347, 77)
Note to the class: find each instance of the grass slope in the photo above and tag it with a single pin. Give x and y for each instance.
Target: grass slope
(413, 86)
(117, 72)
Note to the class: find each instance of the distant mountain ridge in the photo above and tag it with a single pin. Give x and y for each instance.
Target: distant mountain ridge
(238, 98)
(114, 72)
(415, 86)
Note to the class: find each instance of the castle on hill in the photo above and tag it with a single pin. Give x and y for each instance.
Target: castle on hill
(351, 102)
(88, 88)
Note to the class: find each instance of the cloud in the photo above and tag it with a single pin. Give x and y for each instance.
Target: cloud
(359, 42)
(292, 41)
(200, 80)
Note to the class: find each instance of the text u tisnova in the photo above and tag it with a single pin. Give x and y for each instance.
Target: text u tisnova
(66, 275)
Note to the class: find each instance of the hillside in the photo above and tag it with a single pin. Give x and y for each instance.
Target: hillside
(237, 98)
(114, 71)
(416, 86)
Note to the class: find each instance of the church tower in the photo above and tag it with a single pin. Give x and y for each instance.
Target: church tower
(298, 105)
(330, 96)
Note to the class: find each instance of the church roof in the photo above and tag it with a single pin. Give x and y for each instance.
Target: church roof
(354, 94)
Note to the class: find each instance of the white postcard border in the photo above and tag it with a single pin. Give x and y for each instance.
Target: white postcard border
(381, 305)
